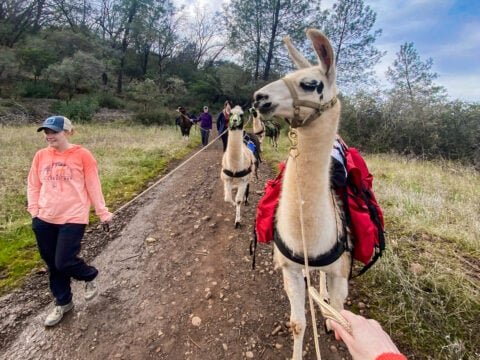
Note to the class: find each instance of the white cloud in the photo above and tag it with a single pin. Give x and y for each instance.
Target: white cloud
(463, 87)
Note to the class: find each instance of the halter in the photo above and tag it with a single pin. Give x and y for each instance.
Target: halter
(297, 103)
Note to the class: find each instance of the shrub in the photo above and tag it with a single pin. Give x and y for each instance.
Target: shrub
(110, 101)
(157, 117)
(38, 89)
(81, 109)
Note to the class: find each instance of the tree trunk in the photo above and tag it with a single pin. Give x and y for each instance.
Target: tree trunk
(271, 45)
(131, 14)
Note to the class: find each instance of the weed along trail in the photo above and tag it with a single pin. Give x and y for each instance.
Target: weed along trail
(175, 283)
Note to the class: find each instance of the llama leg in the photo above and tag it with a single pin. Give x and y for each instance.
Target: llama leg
(338, 291)
(227, 190)
(295, 289)
(247, 191)
(323, 285)
(239, 198)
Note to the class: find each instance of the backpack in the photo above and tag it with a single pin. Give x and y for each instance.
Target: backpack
(363, 214)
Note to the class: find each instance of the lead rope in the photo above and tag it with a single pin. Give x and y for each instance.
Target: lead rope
(293, 137)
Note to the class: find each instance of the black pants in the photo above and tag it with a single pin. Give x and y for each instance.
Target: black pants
(225, 141)
(59, 246)
(204, 133)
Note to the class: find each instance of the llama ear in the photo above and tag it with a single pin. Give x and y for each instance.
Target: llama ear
(295, 55)
(324, 51)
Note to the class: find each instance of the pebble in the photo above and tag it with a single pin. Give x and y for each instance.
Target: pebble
(150, 240)
(225, 347)
(249, 354)
(278, 346)
(196, 321)
(333, 348)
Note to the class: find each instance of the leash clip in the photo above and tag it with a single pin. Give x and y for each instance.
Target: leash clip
(293, 138)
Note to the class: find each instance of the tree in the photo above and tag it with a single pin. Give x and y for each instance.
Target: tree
(35, 56)
(145, 92)
(80, 72)
(257, 28)
(412, 76)
(349, 27)
(8, 63)
(18, 18)
(207, 34)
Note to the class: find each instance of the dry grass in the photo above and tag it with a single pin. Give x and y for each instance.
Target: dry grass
(425, 290)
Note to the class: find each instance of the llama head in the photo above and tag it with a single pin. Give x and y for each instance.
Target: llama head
(314, 85)
(235, 121)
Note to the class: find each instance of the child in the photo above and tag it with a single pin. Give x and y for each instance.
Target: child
(62, 184)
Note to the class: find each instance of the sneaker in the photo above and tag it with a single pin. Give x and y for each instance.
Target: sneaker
(57, 314)
(90, 290)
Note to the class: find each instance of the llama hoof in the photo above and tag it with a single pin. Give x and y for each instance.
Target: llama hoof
(237, 224)
(326, 325)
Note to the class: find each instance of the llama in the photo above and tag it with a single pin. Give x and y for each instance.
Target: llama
(238, 164)
(308, 97)
(184, 122)
(265, 128)
(258, 126)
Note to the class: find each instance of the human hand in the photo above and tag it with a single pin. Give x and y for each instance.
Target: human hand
(368, 339)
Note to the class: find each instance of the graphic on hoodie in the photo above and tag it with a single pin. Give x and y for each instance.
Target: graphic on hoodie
(57, 171)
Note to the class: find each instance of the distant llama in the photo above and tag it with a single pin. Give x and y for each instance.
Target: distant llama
(308, 97)
(268, 128)
(238, 164)
(184, 122)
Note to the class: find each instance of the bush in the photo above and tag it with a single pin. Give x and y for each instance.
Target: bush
(38, 89)
(109, 101)
(81, 109)
(157, 117)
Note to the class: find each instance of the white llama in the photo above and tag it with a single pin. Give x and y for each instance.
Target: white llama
(308, 98)
(238, 164)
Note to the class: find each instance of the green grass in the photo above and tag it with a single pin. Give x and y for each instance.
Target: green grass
(128, 158)
(425, 290)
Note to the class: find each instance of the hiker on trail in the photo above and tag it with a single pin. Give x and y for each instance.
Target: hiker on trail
(205, 120)
(222, 122)
(368, 340)
(62, 184)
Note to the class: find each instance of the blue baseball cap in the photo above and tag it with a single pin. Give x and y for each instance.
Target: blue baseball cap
(57, 124)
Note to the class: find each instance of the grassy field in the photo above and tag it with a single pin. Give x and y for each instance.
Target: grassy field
(425, 290)
(127, 159)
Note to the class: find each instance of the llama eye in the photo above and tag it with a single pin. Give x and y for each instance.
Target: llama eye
(309, 85)
(320, 87)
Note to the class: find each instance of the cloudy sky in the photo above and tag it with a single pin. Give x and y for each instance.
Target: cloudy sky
(448, 31)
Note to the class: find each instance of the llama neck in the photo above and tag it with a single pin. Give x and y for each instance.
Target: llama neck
(234, 151)
(257, 125)
(310, 173)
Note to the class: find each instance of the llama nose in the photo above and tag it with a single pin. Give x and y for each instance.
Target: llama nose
(259, 97)
(261, 102)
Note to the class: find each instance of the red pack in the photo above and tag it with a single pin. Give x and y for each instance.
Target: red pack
(264, 220)
(364, 215)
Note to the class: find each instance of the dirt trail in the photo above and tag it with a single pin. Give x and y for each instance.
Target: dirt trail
(172, 256)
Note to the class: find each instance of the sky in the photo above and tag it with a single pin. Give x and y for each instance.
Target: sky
(448, 31)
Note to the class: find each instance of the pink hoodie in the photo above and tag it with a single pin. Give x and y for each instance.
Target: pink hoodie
(63, 185)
